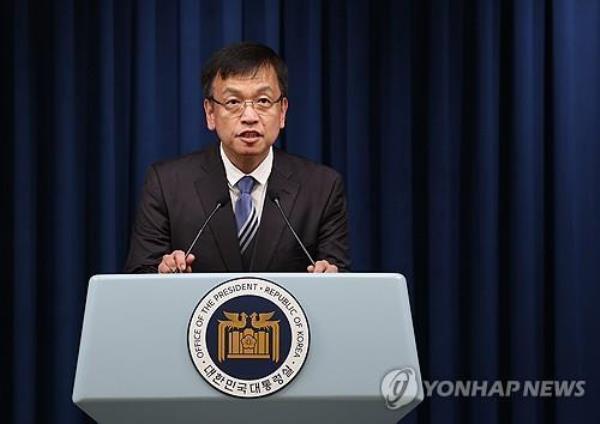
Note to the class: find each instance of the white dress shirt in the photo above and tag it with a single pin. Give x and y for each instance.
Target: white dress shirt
(260, 174)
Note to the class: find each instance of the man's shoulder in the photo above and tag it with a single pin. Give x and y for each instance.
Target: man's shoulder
(202, 159)
(302, 167)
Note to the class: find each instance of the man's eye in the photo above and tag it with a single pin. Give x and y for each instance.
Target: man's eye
(264, 101)
(232, 102)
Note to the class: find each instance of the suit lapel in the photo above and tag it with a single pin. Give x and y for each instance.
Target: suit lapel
(272, 223)
(211, 188)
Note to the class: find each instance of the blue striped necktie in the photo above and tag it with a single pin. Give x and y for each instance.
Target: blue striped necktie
(246, 216)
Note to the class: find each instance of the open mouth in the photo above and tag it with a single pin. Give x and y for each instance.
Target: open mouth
(249, 135)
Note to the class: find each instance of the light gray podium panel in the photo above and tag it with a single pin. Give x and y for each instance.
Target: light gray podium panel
(134, 364)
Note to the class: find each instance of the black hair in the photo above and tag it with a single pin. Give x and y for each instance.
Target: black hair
(243, 59)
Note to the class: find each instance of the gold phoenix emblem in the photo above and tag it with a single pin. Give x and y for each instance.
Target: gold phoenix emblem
(240, 339)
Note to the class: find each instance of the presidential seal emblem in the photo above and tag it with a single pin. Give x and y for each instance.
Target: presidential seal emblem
(248, 337)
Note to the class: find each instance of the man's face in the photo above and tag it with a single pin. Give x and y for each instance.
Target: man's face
(248, 134)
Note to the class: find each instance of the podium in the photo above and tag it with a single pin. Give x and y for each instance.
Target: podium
(348, 340)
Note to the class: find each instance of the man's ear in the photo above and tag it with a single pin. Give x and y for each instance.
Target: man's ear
(209, 112)
(284, 108)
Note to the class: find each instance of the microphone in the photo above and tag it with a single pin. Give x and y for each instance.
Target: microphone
(275, 199)
(220, 203)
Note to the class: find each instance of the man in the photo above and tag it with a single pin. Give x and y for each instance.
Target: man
(245, 88)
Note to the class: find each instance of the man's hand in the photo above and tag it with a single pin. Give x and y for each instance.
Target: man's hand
(322, 266)
(176, 261)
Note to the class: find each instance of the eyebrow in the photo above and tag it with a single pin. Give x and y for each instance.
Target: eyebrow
(262, 89)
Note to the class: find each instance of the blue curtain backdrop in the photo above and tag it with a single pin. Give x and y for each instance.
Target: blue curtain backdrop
(467, 132)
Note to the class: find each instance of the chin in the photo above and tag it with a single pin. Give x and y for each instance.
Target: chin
(252, 149)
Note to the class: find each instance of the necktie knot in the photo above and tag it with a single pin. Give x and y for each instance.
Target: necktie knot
(245, 184)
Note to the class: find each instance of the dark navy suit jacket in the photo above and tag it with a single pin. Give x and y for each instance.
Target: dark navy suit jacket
(179, 194)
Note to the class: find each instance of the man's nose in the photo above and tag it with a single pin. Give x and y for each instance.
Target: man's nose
(249, 115)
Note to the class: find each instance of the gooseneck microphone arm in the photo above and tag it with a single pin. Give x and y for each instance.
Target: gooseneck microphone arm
(220, 203)
(275, 199)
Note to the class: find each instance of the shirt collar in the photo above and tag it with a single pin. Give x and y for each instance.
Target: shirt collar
(260, 174)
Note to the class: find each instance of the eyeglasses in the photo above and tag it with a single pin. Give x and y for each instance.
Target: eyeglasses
(263, 105)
